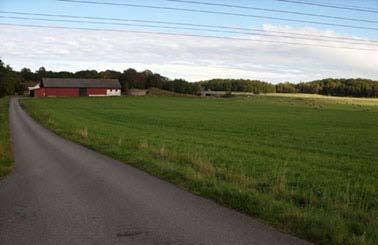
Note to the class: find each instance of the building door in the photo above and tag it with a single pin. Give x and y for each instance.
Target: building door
(83, 92)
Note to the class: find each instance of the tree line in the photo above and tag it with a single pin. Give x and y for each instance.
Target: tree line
(17, 81)
(238, 85)
(336, 87)
(12, 82)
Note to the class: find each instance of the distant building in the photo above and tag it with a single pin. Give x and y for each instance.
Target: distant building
(136, 92)
(72, 87)
(213, 93)
(224, 93)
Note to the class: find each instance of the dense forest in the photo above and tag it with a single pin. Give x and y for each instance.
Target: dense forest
(12, 82)
(335, 87)
(238, 85)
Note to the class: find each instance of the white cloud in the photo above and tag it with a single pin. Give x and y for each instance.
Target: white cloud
(192, 58)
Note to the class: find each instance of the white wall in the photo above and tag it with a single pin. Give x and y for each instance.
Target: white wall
(113, 92)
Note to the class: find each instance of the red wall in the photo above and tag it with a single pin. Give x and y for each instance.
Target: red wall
(67, 92)
(96, 91)
(62, 91)
(39, 92)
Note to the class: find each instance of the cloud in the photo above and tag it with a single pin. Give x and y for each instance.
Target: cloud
(188, 57)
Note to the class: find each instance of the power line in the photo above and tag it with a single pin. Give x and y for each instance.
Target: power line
(343, 5)
(221, 13)
(272, 10)
(235, 30)
(187, 35)
(195, 25)
(329, 6)
(183, 28)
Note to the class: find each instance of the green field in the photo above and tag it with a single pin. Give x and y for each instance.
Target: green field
(6, 157)
(306, 166)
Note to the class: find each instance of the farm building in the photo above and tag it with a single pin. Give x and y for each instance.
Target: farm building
(223, 93)
(136, 92)
(58, 87)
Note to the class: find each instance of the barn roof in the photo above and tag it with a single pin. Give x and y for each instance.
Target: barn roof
(80, 83)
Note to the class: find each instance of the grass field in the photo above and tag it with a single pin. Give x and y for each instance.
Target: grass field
(330, 99)
(308, 167)
(6, 157)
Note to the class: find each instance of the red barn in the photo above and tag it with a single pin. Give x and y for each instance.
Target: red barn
(58, 87)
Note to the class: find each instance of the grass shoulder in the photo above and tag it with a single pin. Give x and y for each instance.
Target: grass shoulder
(6, 157)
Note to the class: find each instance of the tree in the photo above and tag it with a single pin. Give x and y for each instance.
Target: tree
(8, 80)
(155, 81)
(86, 74)
(238, 85)
(109, 74)
(285, 87)
(41, 73)
(27, 75)
(133, 79)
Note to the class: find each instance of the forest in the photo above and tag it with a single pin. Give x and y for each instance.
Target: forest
(16, 82)
(334, 87)
(238, 85)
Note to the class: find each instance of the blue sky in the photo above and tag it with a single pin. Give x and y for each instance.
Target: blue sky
(56, 7)
(199, 55)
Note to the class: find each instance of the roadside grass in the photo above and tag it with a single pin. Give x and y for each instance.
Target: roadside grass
(330, 99)
(6, 158)
(308, 167)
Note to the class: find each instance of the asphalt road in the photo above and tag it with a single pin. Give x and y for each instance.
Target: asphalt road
(63, 193)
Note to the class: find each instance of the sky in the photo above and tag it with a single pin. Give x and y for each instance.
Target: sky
(188, 53)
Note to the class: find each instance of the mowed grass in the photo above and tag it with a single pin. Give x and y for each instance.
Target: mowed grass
(306, 166)
(330, 99)
(6, 157)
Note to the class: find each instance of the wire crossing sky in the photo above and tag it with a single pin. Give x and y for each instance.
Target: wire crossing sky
(233, 6)
(360, 27)
(273, 40)
(257, 32)
(333, 6)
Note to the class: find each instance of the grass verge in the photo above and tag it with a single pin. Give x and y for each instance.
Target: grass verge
(6, 158)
